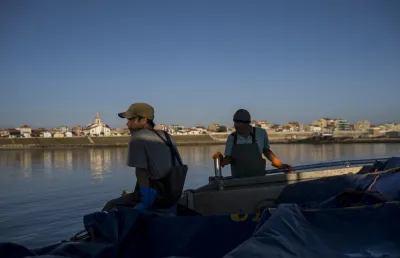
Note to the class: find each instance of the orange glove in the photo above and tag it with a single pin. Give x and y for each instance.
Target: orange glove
(218, 155)
(276, 163)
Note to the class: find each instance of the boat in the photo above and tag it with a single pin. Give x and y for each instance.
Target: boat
(331, 209)
(227, 195)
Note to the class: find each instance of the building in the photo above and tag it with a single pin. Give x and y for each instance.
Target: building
(97, 128)
(262, 124)
(14, 133)
(293, 126)
(342, 125)
(390, 127)
(162, 127)
(193, 131)
(58, 135)
(36, 133)
(68, 134)
(306, 128)
(375, 131)
(200, 128)
(362, 125)
(63, 129)
(213, 127)
(46, 134)
(4, 133)
(25, 131)
(315, 129)
(322, 122)
(276, 128)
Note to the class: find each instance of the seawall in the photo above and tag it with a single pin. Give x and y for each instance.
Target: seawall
(81, 142)
(181, 140)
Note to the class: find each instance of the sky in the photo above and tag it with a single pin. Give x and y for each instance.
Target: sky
(197, 62)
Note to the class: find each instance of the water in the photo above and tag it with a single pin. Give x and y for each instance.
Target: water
(45, 193)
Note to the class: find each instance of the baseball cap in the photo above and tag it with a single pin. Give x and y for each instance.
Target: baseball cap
(138, 109)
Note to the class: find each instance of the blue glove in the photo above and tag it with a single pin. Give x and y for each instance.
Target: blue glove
(147, 197)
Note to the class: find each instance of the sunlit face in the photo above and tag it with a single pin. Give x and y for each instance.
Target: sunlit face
(136, 123)
(241, 127)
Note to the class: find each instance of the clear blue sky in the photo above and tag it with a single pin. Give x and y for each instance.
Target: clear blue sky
(198, 61)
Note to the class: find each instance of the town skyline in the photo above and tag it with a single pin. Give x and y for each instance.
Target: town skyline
(98, 118)
(100, 128)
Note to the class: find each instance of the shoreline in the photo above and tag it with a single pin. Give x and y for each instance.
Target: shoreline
(181, 140)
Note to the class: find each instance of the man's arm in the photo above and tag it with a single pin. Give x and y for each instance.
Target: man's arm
(141, 177)
(270, 155)
(228, 150)
(267, 148)
(137, 157)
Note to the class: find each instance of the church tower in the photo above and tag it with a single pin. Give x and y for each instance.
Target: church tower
(97, 118)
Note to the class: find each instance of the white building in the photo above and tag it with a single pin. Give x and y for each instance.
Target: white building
(4, 133)
(98, 128)
(25, 131)
(63, 129)
(315, 129)
(46, 135)
(193, 132)
(68, 134)
(200, 129)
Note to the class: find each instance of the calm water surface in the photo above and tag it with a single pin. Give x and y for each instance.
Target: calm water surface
(45, 193)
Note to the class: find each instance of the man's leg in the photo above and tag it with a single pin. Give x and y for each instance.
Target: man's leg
(127, 200)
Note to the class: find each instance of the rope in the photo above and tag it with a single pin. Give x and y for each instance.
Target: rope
(378, 174)
(396, 169)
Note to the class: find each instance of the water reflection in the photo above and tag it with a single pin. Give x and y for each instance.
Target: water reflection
(98, 161)
(68, 160)
(26, 163)
(48, 163)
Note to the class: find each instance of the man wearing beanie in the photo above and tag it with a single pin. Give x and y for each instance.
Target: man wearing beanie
(244, 148)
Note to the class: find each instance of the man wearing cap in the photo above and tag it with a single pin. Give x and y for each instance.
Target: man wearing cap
(159, 170)
(244, 148)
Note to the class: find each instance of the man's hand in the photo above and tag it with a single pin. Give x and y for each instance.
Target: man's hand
(288, 167)
(224, 161)
(218, 155)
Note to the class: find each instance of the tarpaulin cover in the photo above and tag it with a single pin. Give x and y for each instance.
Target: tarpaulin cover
(287, 232)
(314, 193)
(128, 233)
(348, 232)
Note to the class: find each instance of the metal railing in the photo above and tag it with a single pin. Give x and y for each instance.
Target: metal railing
(344, 163)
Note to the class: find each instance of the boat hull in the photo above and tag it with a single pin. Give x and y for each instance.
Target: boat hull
(250, 195)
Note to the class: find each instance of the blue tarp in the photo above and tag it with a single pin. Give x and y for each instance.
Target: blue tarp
(314, 193)
(286, 232)
(129, 233)
(348, 232)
